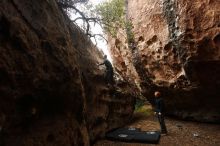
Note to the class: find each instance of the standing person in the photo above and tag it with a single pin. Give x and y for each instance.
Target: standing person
(109, 70)
(159, 111)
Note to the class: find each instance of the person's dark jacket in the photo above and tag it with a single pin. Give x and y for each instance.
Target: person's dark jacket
(159, 105)
(108, 65)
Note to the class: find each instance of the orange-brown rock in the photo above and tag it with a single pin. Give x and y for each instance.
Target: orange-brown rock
(51, 89)
(176, 50)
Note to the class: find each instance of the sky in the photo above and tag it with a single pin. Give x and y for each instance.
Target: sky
(97, 1)
(101, 43)
(97, 29)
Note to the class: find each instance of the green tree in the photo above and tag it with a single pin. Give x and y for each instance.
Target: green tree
(84, 12)
(112, 15)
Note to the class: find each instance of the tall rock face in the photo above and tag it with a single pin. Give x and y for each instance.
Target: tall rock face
(175, 50)
(51, 90)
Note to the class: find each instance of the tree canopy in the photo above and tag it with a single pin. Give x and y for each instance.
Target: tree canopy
(112, 15)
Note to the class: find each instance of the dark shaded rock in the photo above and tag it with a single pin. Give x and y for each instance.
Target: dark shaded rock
(51, 89)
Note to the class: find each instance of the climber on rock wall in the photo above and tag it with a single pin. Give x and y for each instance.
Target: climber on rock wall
(109, 71)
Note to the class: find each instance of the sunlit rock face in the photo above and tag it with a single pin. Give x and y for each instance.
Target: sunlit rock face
(176, 51)
(51, 90)
(123, 60)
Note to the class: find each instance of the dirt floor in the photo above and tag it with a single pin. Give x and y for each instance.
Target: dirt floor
(180, 133)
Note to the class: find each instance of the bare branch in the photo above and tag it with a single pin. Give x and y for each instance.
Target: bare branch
(94, 35)
(87, 28)
(86, 21)
(77, 19)
(65, 6)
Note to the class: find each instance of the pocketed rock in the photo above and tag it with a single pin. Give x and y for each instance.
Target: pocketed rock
(175, 50)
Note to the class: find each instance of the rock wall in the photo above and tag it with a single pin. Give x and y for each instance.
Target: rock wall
(175, 50)
(51, 89)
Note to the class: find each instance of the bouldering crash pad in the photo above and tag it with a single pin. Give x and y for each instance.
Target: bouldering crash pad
(133, 135)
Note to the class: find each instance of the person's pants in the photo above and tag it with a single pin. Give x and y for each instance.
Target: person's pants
(109, 77)
(162, 123)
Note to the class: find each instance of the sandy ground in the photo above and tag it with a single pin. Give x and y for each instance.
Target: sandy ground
(180, 133)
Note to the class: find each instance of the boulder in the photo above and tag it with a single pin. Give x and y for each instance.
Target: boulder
(51, 90)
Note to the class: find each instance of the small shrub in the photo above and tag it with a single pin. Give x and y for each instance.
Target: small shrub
(141, 107)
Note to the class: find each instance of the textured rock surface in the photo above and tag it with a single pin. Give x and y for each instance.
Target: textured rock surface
(177, 51)
(51, 90)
